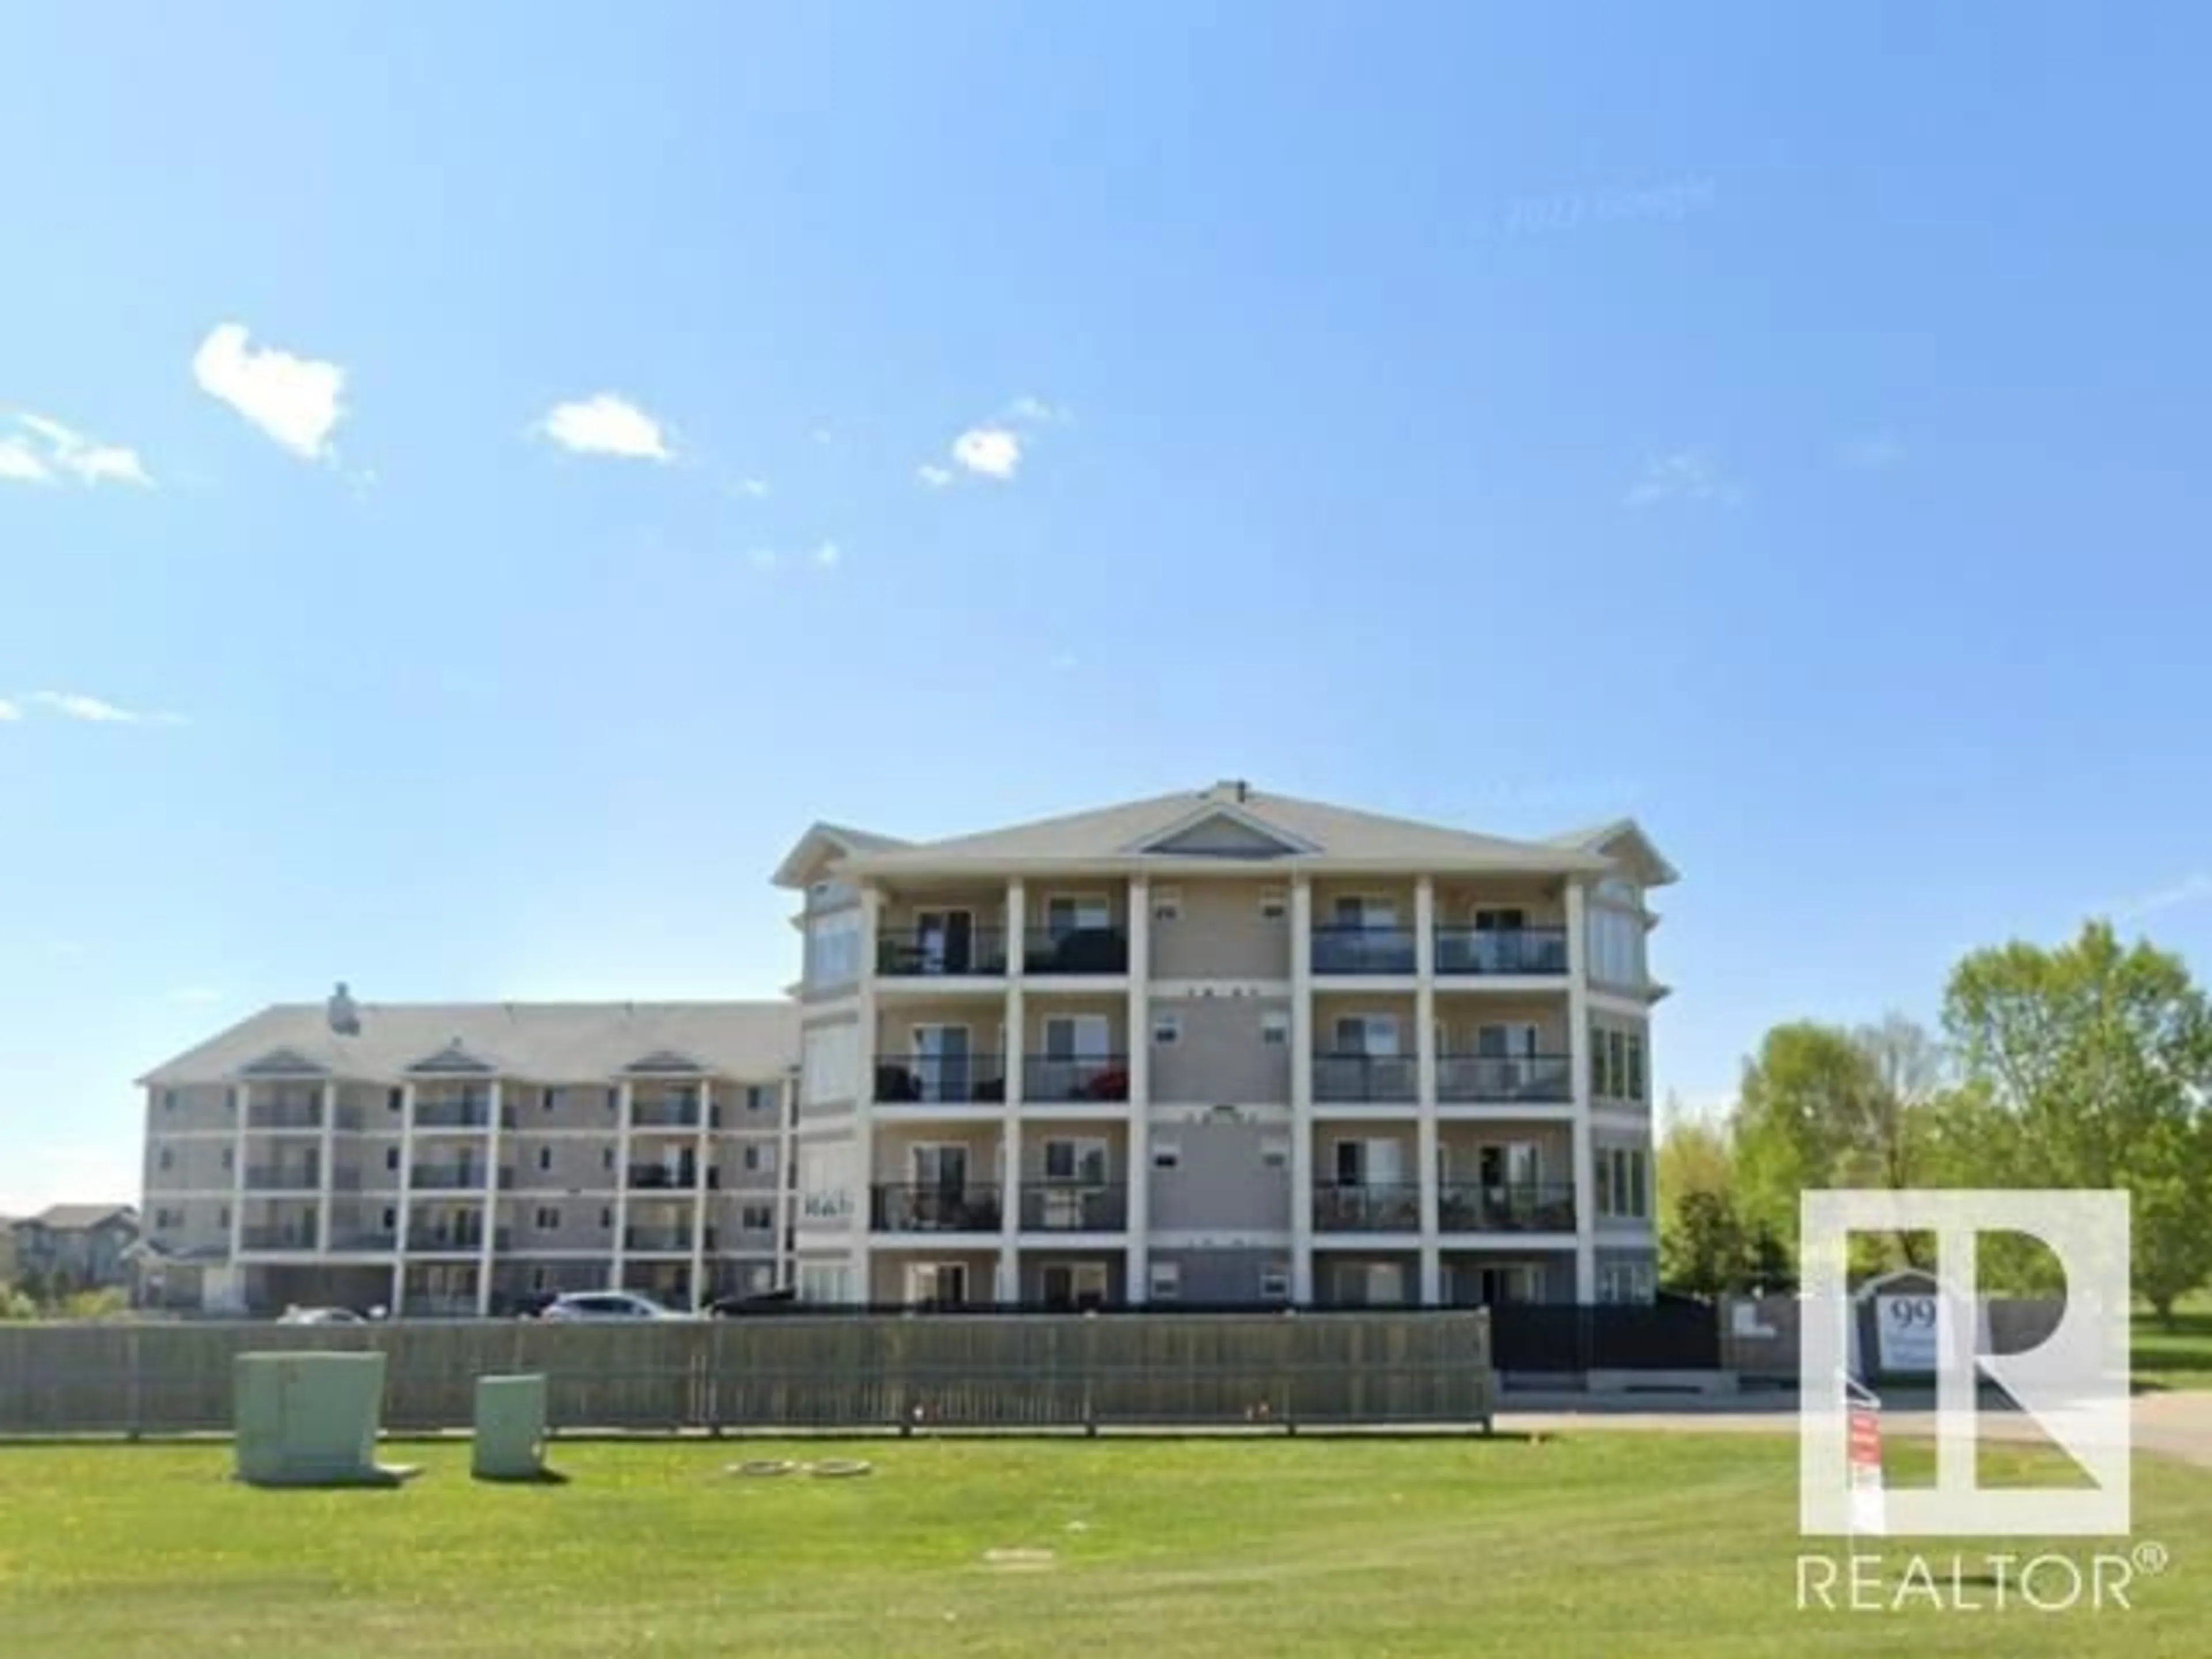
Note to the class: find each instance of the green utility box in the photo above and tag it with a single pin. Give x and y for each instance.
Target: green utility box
(510, 1430)
(310, 1420)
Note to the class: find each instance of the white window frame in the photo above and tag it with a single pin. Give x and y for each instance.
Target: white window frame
(1078, 1147)
(1275, 1028)
(1167, 904)
(1167, 1154)
(1077, 1052)
(1081, 902)
(1370, 1022)
(1370, 904)
(1085, 1279)
(545, 1220)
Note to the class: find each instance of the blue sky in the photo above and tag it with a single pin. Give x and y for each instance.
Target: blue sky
(1786, 426)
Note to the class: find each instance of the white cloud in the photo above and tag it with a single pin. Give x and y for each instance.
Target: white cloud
(828, 555)
(995, 452)
(607, 424)
(2195, 888)
(755, 488)
(19, 465)
(43, 449)
(98, 711)
(296, 401)
(1685, 475)
(1032, 409)
(8, 712)
(1878, 452)
(933, 476)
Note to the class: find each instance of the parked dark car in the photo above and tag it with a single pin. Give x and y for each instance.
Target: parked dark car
(749, 1302)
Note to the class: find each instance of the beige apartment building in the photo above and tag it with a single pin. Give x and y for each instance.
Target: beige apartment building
(460, 1159)
(1224, 1047)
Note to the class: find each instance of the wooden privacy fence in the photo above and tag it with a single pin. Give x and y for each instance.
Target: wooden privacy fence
(867, 1373)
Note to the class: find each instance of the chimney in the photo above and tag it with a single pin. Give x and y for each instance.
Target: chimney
(1233, 789)
(345, 1019)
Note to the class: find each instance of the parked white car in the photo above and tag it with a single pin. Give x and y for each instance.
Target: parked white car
(606, 1304)
(320, 1316)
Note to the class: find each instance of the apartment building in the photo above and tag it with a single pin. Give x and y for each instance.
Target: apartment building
(459, 1159)
(1224, 1047)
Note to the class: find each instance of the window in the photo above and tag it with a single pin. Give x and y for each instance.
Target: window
(223, 1219)
(752, 1157)
(1165, 1278)
(1626, 1281)
(168, 1158)
(1617, 889)
(607, 1158)
(168, 1103)
(396, 1101)
(1633, 1080)
(1167, 1030)
(828, 1065)
(547, 1220)
(545, 1159)
(390, 1158)
(1624, 1192)
(1275, 1028)
(1166, 1155)
(1275, 1283)
(614, 1102)
(1275, 1151)
(1167, 904)
(1080, 1159)
(756, 1217)
(1616, 946)
(550, 1100)
(1507, 919)
(759, 1098)
(1073, 1284)
(833, 949)
(1365, 910)
(1518, 1039)
(390, 1218)
(1375, 1035)
(606, 1219)
(825, 1281)
(1274, 904)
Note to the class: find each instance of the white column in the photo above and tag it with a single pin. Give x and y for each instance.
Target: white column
(489, 1254)
(702, 1155)
(1578, 1086)
(1425, 1023)
(1017, 1047)
(328, 1157)
(1136, 1266)
(622, 1102)
(237, 1154)
(1302, 1131)
(404, 1212)
(866, 1038)
(786, 1177)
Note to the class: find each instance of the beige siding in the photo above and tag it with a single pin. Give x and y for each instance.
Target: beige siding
(201, 1107)
(1543, 901)
(1219, 934)
(1223, 1181)
(194, 1164)
(1220, 1053)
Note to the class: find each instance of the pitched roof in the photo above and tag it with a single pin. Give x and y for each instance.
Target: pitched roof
(76, 1218)
(1623, 839)
(552, 1041)
(1229, 821)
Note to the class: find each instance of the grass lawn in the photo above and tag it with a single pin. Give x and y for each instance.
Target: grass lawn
(2176, 1359)
(1607, 1545)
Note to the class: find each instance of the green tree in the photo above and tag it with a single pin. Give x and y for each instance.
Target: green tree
(1700, 1236)
(2090, 1066)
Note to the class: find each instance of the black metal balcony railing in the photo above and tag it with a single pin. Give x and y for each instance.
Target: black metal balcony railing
(663, 1238)
(941, 1079)
(662, 1177)
(1071, 1078)
(1529, 951)
(285, 1114)
(1363, 950)
(364, 1238)
(453, 1241)
(1076, 950)
(909, 1209)
(932, 953)
(448, 1177)
(1506, 1207)
(283, 1178)
(1539, 1078)
(453, 1112)
(1355, 1078)
(1348, 1207)
(673, 1111)
(1056, 1207)
(300, 1236)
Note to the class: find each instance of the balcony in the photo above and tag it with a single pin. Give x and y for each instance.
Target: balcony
(908, 1209)
(1074, 1207)
(671, 1111)
(298, 1236)
(1392, 1208)
(283, 1178)
(665, 1239)
(1363, 950)
(471, 1112)
(1048, 950)
(935, 953)
(449, 1177)
(1359, 1079)
(284, 1114)
(1521, 1079)
(661, 1177)
(1069, 1080)
(1530, 953)
(455, 1241)
(364, 1238)
(941, 1079)
(1517, 1207)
